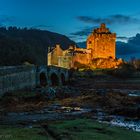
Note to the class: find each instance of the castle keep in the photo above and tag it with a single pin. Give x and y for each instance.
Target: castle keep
(99, 52)
(102, 43)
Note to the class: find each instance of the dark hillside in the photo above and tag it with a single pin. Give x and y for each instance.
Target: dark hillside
(20, 45)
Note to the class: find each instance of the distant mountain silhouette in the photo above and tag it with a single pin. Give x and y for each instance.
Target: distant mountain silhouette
(20, 45)
(129, 49)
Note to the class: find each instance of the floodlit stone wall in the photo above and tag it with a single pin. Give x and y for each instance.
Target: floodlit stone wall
(54, 54)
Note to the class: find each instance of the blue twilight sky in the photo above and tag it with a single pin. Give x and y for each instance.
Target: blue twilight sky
(74, 18)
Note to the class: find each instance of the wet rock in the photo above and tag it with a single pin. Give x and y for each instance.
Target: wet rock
(51, 93)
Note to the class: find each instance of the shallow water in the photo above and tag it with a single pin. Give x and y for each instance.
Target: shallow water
(135, 93)
(54, 112)
(115, 120)
(57, 112)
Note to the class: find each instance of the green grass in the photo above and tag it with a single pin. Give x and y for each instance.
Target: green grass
(85, 129)
(79, 129)
(17, 133)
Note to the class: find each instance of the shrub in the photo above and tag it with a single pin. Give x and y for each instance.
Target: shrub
(136, 64)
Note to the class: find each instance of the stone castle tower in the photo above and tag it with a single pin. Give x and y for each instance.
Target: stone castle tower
(102, 43)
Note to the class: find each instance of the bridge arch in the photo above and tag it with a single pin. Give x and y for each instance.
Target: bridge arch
(54, 79)
(51, 76)
(43, 79)
(63, 79)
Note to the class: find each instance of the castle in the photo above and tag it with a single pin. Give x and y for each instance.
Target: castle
(100, 52)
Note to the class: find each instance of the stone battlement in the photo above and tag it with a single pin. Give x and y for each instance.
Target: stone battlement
(113, 35)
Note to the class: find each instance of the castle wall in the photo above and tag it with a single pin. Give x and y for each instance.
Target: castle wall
(53, 55)
(82, 58)
(65, 62)
(67, 58)
(105, 47)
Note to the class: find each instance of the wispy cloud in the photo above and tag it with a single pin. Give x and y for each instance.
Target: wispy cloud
(122, 38)
(83, 32)
(112, 19)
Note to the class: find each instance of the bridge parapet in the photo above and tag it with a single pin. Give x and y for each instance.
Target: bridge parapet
(5, 70)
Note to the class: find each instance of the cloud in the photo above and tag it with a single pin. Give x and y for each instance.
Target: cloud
(76, 38)
(112, 19)
(122, 38)
(81, 34)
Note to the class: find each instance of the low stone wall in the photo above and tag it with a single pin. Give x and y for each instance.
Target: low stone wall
(15, 78)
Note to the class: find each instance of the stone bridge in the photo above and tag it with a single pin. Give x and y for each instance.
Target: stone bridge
(52, 76)
(21, 77)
